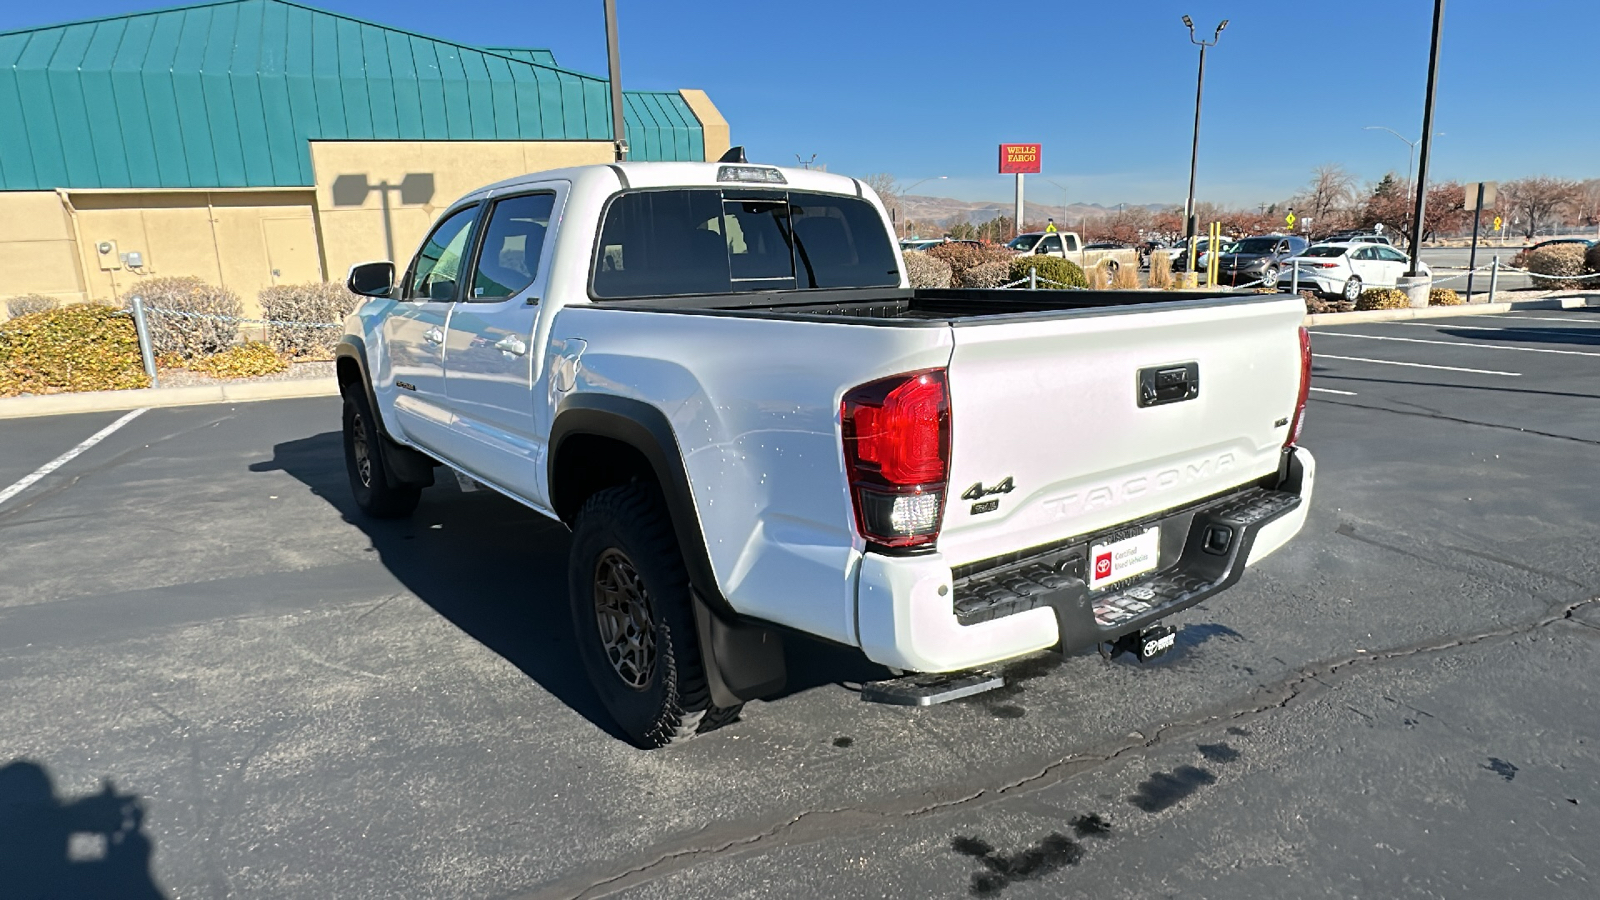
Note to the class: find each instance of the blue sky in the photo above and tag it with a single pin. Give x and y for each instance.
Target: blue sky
(930, 88)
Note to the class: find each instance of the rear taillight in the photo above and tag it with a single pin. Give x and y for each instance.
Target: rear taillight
(1299, 419)
(897, 452)
(1317, 265)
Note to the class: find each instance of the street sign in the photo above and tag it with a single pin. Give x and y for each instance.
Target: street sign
(1490, 189)
(1019, 159)
(1499, 224)
(1289, 221)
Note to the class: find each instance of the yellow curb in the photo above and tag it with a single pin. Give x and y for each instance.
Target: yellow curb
(107, 401)
(1442, 312)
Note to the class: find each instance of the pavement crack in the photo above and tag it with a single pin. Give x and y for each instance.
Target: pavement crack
(813, 826)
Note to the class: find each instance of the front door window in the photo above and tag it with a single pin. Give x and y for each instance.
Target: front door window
(437, 268)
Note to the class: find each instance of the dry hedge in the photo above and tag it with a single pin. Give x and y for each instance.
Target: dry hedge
(1443, 297)
(1382, 298)
(85, 347)
(962, 256)
(1557, 259)
(28, 304)
(985, 275)
(241, 361)
(189, 334)
(314, 304)
(925, 271)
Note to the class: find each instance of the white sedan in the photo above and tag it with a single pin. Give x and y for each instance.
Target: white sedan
(1347, 269)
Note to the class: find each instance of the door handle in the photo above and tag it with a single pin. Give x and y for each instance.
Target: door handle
(433, 336)
(512, 345)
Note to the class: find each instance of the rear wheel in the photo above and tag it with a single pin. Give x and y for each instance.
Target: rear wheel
(1352, 289)
(635, 627)
(376, 490)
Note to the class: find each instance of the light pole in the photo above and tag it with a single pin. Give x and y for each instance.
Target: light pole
(1064, 193)
(1194, 152)
(619, 139)
(1411, 157)
(907, 190)
(1421, 201)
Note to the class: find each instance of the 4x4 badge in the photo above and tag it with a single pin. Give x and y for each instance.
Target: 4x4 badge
(978, 491)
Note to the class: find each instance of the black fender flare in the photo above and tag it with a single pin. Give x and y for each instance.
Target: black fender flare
(744, 659)
(407, 464)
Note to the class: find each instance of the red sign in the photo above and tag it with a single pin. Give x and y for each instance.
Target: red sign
(1016, 158)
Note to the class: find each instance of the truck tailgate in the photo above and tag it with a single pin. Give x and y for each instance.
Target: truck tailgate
(1049, 438)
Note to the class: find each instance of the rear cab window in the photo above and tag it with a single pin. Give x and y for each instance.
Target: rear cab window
(678, 242)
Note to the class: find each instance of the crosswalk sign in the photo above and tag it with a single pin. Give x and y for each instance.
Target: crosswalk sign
(1289, 220)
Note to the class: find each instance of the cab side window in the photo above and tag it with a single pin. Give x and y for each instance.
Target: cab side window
(438, 265)
(1050, 244)
(513, 241)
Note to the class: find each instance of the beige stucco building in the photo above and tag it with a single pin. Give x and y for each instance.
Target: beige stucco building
(249, 169)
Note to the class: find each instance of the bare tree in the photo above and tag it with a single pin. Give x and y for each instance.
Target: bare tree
(1589, 214)
(1328, 193)
(889, 191)
(1540, 200)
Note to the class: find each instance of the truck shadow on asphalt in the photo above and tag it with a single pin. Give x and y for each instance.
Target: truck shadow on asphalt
(88, 848)
(498, 571)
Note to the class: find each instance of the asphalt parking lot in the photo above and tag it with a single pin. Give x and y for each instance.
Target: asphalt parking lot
(288, 701)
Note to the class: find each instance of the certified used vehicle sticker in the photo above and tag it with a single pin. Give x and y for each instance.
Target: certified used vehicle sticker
(1125, 558)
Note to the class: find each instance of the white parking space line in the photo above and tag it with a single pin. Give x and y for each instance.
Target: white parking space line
(1412, 365)
(1375, 337)
(1332, 391)
(69, 456)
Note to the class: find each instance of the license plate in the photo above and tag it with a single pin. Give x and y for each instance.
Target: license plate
(1125, 558)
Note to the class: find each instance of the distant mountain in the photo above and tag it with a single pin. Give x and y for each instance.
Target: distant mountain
(945, 210)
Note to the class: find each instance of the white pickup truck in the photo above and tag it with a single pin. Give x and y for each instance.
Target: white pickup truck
(716, 375)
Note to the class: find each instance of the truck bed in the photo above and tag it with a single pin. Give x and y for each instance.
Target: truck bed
(951, 306)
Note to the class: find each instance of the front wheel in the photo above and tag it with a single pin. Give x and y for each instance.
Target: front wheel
(635, 627)
(1269, 278)
(376, 490)
(1352, 289)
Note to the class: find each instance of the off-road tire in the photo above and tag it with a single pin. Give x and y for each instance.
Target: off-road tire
(377, 491)
(672, 703)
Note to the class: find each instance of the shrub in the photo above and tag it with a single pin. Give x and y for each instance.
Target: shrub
(963, 256)
(75, 348)
(1125, 278)
(1383, 298)
(1443, 297)
(188, 335)
(1160, 270)
(1050, 268)
(1591, 264)
(28, 304)
(986, 275)
(925, 271)
(314, 304)
(241, 361)
(1558, 259)
(1099, 277)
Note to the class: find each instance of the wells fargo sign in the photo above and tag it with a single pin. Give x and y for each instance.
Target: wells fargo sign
(1015, 158)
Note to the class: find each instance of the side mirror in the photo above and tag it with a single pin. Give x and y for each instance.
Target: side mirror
(1040, 251)
(372, 279)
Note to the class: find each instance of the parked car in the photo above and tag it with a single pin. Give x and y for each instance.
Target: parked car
(717, 377)
(1355, 237)
(1067, 245)
(1180, 252)
(1257, 259)
(1347, 269)
(923, 244)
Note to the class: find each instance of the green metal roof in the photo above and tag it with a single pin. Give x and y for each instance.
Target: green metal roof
(228, 94)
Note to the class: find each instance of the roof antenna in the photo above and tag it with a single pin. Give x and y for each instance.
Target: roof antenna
(734, 155)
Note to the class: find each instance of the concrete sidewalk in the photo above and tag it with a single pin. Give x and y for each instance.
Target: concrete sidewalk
(1576, 301)
(223, 392)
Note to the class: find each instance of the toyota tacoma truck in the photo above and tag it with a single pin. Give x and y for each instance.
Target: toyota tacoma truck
(716, 376)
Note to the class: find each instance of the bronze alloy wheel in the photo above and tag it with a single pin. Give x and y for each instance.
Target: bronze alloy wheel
(622, 612)
(362, 451)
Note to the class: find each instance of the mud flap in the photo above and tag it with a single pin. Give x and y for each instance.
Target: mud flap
(743, 661)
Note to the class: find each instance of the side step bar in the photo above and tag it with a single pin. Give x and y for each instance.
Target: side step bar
(919, 689)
